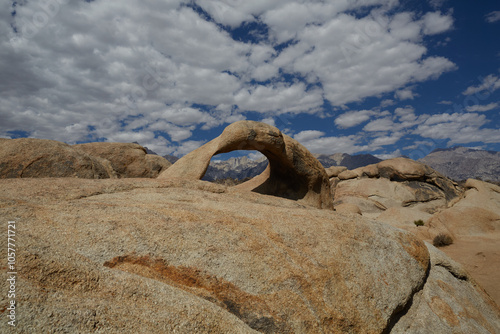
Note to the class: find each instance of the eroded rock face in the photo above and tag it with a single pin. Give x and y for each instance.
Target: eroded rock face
(127, 159)
(477, 213)
(29, 157)
(450, 302)
(194, 257)
(292, 173)
(395, 183)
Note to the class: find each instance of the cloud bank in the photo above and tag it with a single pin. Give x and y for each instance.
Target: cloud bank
(158, 72)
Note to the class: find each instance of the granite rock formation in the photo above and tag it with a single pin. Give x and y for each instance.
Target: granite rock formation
(180, 256)
(401, 192)
(127, 159)
(292, 172)
(395, 183)
(29, 157)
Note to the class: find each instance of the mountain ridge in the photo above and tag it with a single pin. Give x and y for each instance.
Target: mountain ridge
(461, 163)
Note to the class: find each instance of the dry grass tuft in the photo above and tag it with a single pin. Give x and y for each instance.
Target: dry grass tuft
(442, 239)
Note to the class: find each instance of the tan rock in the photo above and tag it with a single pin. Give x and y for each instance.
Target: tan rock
(348, 208)
(165, 256)
(156, 164)
(292, 173)
(404, 218)
(334, 171)
(396, 183)
(477, 213)
(403, 169)
(450, 302)
(348, 175)
(389, 194)
(368, 171)
(127, 159)
(29, 157)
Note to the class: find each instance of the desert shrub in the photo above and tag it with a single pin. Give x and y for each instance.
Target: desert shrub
(442, 239)
(419, 222)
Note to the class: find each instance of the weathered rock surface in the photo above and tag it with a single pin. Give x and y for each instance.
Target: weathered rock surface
(334, 171)
(292, 172)
(448, 298)
(166, 256)
(127, 159)
(478, 213)
(395, 183)
(29, 157)
(474, 224)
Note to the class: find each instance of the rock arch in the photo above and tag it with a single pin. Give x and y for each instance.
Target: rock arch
(293, 172)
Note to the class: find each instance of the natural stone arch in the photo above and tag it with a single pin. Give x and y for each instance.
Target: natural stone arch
(293, 172)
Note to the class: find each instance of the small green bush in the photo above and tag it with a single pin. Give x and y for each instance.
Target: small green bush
(419, 222)
(442, 239)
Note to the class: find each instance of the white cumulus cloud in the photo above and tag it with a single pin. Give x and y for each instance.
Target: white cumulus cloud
(486, 107)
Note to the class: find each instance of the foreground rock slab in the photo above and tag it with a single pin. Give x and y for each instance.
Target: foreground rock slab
(173, 256)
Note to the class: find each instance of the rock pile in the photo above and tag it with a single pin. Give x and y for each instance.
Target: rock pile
(29, 157)
(405, 193)
(399, 185)
(127, 159)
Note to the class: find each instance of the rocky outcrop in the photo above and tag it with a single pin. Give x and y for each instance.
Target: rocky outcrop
(179, 256)
(29, 157)
(448, 302)
(127, 159)
(478, 212)
(404, 193)
(292, 172)
(334, 171)
(395, 183)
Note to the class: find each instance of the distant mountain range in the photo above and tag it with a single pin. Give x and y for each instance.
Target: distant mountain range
(235, 168)
(243, 167)
(347, 160)
(461, 163)
(458, 163)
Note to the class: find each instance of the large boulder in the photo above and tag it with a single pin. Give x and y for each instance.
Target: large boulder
(179, 256)
(127, 159)
(293, 172)
(395, 183)
(29, 157)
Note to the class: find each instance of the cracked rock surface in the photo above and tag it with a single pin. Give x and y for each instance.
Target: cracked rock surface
(395, 184)
(178, 256)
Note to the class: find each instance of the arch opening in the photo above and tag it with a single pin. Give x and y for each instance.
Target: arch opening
(235, 167)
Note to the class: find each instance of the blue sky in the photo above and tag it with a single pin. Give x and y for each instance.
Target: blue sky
(384, 77)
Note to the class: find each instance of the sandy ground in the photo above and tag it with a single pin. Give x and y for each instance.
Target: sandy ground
(481, 258)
